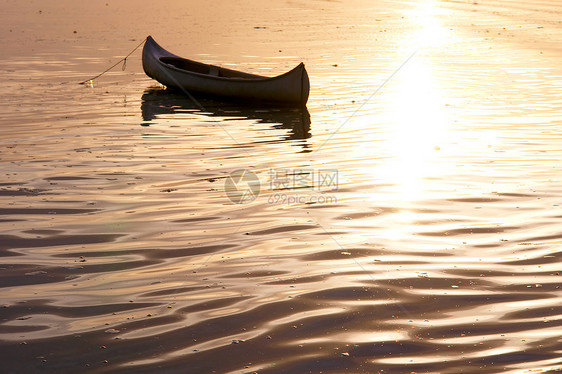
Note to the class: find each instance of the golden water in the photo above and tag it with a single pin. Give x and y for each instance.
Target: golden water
(439, 251)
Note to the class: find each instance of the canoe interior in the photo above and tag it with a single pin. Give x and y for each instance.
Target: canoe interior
(198, 67)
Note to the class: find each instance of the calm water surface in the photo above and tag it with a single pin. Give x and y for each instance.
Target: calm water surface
(438, 250)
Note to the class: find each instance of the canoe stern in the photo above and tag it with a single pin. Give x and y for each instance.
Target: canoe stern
(305, 85)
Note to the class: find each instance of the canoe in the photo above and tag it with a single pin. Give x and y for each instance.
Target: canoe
(194, 77)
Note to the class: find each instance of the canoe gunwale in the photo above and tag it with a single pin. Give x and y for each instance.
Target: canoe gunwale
(259, 78)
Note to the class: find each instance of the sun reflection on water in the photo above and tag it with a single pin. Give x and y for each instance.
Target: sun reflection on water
(431, 32)
(417, 121)
(418, 126)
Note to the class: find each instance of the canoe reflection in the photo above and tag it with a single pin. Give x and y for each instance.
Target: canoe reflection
(158, 101)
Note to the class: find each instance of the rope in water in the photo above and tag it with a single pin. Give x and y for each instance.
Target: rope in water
(124, 60)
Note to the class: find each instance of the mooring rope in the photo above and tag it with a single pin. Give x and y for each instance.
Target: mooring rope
(124, 60)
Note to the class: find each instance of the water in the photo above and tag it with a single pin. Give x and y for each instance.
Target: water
(437, 250)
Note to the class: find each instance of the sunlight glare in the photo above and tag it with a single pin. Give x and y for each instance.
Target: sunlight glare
(418, 125)
(417, 119)
(431, 33)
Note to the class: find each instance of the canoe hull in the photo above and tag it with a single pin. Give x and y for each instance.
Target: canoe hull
(291, 88)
